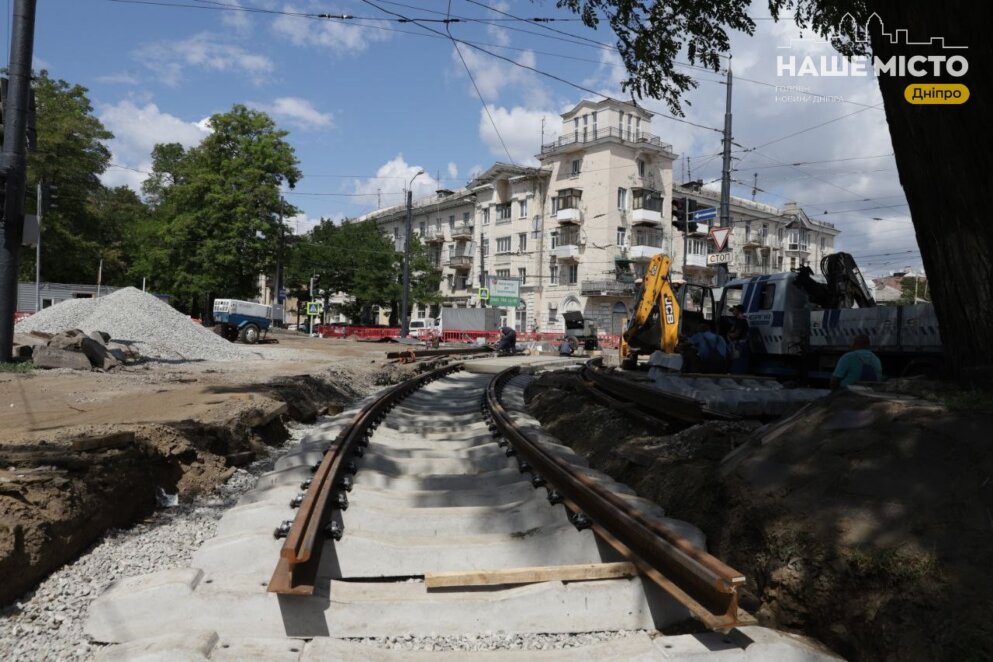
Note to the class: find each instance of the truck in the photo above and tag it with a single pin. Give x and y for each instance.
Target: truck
(799, 323)
(470, 319)
(246, 321)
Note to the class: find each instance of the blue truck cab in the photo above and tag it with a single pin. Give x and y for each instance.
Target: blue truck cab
(246, 321)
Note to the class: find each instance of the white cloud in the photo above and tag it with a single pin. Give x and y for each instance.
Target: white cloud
(302, 223)
(493, 76)
(297, 111)
(236, 20)
(137, 129)
(389, 182)
(520, 129)
(453, 170)
(338, 37)
(170, 60)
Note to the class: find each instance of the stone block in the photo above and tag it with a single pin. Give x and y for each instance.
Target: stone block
(67, 340)
(97, 353)
(52, 357)
(101, 337)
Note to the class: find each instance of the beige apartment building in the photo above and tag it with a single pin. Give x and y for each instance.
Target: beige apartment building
(580, 228)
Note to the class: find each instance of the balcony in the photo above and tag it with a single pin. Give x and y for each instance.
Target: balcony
(606, 288)
(460, 262)
(797, 248)
(646, 244)
(646, 217)
(435, 236)
(566, 252)
(569, 216)
(696, 260)
(462, 231)
(641, 253)
(574, 139)
(748, 270)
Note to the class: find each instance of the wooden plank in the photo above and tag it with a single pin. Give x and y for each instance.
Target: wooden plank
(101, 441)
(533, 575)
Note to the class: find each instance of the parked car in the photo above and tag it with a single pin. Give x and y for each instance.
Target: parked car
(423, 328)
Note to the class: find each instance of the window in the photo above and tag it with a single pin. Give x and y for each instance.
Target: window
(577, 167)
(572, 274)
(621, 235)
(823, 243)
(522, 242)
(566, 199)
(792, 263)
(641, 162)
(522, 206)
(503, 273)
(630, 118)
(462, 281)
(503, 213)
(396, 234)
(779, 234)
(594, 125)
(485, 246)
(486, 216)
(503, 246)
(553, 314)
(696, 247)
(423, 228)
(522, 273)
(622, 198)
(555, 238)
(553, 279)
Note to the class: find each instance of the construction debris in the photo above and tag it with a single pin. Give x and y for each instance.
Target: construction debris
(135, 320)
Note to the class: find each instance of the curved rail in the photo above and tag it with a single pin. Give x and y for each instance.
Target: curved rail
(296, 571)
(704, 584)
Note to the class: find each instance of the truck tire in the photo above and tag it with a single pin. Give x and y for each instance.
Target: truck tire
(249, 334)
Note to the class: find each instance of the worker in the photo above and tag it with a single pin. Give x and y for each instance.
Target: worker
(507, 341)
(707, 352)
(858, 365)
(738, 341)
(566, 348)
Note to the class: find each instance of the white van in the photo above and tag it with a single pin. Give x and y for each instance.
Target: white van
(423, 328)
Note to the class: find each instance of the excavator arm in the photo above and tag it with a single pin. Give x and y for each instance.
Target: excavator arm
(654, 325)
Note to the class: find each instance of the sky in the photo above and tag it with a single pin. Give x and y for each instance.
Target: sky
(370, 100)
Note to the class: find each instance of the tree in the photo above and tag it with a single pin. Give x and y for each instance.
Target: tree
(217, 207)
(943, 153)
(70, 156)
(355, 257)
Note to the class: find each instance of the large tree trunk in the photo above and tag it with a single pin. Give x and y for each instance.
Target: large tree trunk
(944, 155)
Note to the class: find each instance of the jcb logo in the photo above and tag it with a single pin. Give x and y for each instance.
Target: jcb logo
(670, 316)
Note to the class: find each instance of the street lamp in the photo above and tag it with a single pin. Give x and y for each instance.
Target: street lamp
(404, 321)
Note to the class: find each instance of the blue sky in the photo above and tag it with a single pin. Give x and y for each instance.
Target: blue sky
(368, 101)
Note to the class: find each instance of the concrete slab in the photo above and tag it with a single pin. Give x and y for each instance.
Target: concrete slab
(434, 499)
(492, 480)
(478, 464)
(492, 366)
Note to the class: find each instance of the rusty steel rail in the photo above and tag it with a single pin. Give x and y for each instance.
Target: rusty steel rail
(702, 583)
(650, 400)
(414, 353)
(299, 558)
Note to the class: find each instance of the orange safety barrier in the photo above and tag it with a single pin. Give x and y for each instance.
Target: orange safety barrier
(18, 316)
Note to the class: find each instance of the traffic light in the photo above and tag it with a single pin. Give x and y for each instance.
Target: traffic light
(679, 213)
(48, 195)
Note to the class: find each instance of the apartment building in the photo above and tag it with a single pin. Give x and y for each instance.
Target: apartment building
(580, 229)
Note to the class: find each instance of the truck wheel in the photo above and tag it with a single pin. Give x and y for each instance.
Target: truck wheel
(249, 334)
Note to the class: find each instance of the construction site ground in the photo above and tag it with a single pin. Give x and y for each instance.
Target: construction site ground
(864, 521)
(83, 452)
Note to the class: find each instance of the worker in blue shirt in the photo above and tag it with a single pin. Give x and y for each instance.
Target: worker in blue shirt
(710, 352)
(858, 365)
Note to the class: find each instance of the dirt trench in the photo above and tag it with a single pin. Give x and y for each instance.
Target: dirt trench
(59, 495)
(864, 521)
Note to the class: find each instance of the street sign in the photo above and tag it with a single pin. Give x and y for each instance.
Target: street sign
(281, 295)
(314, 308)
(484, 294)
(704, 214)
(719, 258)
(720, 237)
(504, 291)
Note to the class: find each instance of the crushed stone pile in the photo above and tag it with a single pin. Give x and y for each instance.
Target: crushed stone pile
(153, 327)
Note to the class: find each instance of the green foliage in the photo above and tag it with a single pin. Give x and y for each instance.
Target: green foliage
(17, 368)
(359, 259)
(651, 34)
(217, 208)
(913, 290)
(70, 156)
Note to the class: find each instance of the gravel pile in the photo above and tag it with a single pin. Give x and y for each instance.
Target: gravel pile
(153, 327)
(47, 624)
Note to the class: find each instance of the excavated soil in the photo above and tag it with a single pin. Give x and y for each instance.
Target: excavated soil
(864, 520)
(84, 452)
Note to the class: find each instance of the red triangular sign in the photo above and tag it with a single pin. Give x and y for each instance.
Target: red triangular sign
(720, 237)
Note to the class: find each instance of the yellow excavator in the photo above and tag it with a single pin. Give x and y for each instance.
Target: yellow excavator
(654, 324)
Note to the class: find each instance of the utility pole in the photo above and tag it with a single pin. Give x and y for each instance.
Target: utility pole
(277, 283)
(405, 301)
(686, 230)
(37, 255)
(725, 214)
(13, 166)
(755, 185)
(482, 266)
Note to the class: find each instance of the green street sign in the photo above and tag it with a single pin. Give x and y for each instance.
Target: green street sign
(314, 308)
(484, 294)
(504, 291)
